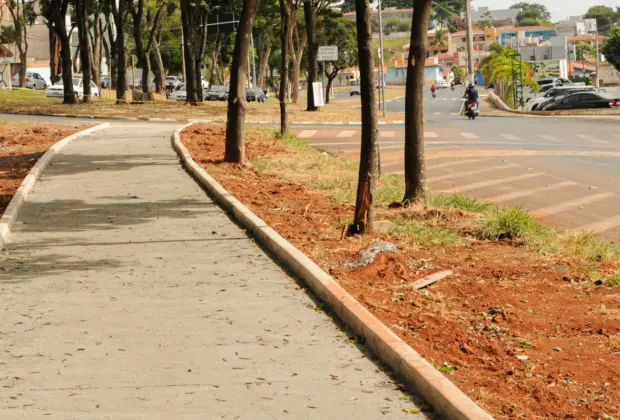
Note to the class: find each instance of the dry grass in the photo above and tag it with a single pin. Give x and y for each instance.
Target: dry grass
(27, 102)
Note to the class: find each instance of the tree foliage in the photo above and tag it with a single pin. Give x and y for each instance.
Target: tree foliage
(605, 17)
(612, 48)
(585, 51)
(532, 14)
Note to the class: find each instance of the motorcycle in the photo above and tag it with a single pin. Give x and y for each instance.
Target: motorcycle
(434, 93)
(471, 110)
(452, 86)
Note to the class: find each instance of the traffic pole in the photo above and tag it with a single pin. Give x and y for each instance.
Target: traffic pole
(470, 42)
(381, 59)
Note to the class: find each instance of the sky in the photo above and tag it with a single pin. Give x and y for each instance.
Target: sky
(560, 9)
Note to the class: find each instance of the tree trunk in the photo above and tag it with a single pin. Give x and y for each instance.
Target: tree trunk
(312, 55)
(110, 46)
(67, 65)
(160, 72)
(200, 56)
(369, 154)
(189, 54)
(297, 70)
(414, 104)
(54, 48)
(121, 59)
(216, 53)
(235, 141)
(23, 58)
(199, 92)
(97, 46)
(84, 40)
(285, 36)
(264, 60)
(330, 80)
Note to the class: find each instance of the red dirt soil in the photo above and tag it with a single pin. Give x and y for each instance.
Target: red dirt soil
(503, 301)
(21, 146)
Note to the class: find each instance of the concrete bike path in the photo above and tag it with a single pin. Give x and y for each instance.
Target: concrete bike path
(126, 293)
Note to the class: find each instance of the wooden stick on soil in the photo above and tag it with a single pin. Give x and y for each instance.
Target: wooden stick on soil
(428, 280)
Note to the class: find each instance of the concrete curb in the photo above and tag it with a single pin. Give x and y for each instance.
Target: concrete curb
(444, 396)
(12, 211)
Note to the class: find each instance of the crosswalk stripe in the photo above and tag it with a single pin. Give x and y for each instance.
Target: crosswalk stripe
(305, 134)
(548, 137)
(557, 208)
(528, 192)
(429, 134)
(469, 173)
(482, 184)
(387, 133)
(436, 113)
(509, 136)
(600, 226)
(590, 138)
(469, 136)
(458, 162)
(346, 133)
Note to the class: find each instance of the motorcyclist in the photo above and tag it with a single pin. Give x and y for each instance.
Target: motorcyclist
(472, 95)
(434, 89)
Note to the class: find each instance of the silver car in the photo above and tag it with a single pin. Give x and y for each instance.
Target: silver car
(33, 81)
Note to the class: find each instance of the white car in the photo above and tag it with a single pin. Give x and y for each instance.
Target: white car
(205, 84)
(441, 84)
(178, 94)
(173, 82)
(33, 81)
(58, 90)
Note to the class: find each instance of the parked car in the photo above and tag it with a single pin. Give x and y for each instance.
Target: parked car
(173, 82)
(441, 84)
(355, 91)
(536, 102)
(218, 93)
(582, 100)
(178, 94)
(58, 90)
(255, 94)
(34, 80)
(457, 80)
(205, 84)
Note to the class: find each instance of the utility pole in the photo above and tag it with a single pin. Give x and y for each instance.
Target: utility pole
(183, 55)
(597, 61)
(470, 42)
(253, 63)
(381, 59)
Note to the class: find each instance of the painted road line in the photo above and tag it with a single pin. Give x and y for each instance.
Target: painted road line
(436, 113)
(600, 226)
(387, 133)
(470, 173)
(560, 207)
(441, 165)
(346, 134)
(509, 136)
(483, 184)
(354, 144)
(430, 135)
(528, 192)
(306, 134)
(590, 138)
(548, 137)
(469, 136)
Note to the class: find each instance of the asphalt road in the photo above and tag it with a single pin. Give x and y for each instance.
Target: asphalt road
(564, 170)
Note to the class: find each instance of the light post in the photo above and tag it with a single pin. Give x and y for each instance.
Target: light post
(381, 58)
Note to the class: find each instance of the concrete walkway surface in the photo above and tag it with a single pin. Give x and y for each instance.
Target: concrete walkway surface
(126, 293)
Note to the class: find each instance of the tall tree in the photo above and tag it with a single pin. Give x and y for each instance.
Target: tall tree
(532, 14)
(286, 31)
(235, 124)
(99, 25)
(605, 18)
(23, 16)
(267, 22)
(56, 11)
(312, 54)
(54, 42)
(120, 13)
(81, 14)
(414, 104)
(612, 48)
(189, 50)
(369, 154)
(440, 40)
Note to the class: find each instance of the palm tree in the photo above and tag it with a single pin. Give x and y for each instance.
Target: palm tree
(497, 68)
(440, 40)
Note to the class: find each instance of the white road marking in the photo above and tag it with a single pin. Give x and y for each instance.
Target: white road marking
(353, 144)
(590, 138)
(482, 184)
(528, 192)
(469, 135)
(457, 162)
(387, 133)
(509, 136)
(429, 134)
(436, 113)
(346, 134)
(600, 226)
(548, 137)
(560, 207)
(306, 134)
(469, 173)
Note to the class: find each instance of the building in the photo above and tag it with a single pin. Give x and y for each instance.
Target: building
(555, 48)
(483, 38)
(501, 17)
(400, 14)
(588, 39)
(574, 26)
(608, 75)
(6, 58)
(519, 36)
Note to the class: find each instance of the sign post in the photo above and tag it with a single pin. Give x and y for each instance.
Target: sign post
(326, 53)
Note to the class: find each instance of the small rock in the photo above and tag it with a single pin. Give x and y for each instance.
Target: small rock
(522, 357)
(368, 255)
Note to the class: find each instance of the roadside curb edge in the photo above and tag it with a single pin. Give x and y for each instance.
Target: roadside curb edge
(442, 394)
(19, 198)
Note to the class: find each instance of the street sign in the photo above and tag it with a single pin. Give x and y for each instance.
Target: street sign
(328, 53)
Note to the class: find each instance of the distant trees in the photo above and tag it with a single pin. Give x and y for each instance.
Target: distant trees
(532, 14)
(23, 16)
(605, 17)
(612, 48)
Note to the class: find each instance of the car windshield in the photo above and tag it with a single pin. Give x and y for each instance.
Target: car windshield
(77, 82)
(180, 87)
(171, 78)
(217, 88)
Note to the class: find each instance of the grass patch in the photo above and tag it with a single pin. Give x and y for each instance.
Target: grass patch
(426, 234)
(456, 201)
(512, 223)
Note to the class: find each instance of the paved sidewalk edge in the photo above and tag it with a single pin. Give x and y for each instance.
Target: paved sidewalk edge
(442, 394)
(12, 211)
